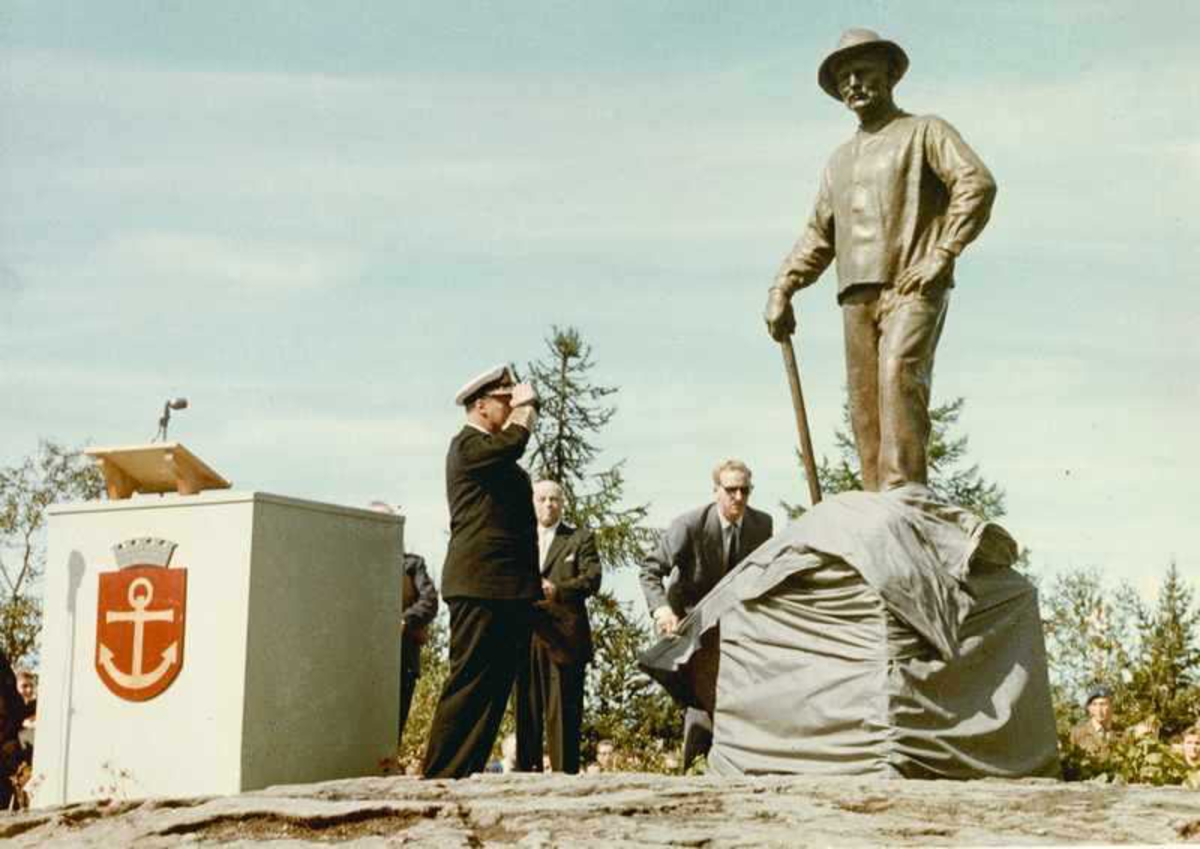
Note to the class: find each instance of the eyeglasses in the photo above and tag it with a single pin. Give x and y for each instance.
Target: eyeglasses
(734, 490)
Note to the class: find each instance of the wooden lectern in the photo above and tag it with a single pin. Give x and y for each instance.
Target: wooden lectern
(158, 467)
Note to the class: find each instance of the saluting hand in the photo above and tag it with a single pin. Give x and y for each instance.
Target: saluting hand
(522, 395)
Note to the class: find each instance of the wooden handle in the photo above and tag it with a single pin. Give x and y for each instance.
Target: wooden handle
(806, 449)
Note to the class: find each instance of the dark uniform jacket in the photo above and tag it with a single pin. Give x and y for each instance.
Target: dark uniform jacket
(493, 537)
(691, 557)
(418, 606)
(573, 566)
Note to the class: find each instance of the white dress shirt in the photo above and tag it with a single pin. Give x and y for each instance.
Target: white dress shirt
(545, 537)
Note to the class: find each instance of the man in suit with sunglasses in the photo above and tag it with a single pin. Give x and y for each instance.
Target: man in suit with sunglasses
(698, 549)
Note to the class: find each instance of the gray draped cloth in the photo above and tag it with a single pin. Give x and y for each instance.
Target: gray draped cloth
(880, 633)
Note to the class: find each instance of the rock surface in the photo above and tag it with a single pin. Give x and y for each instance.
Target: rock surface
(625, 809)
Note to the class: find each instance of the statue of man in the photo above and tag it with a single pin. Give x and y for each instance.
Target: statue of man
(898, 203)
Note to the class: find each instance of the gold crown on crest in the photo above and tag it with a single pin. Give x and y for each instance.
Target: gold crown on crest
(144, 551)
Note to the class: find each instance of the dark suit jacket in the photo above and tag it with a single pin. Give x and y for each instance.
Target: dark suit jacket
(418, 606)
(493, 537)
(690, 558)
(573, 566)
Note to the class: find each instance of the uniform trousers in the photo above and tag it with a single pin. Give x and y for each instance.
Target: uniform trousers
(489, 639)
(890, 344)
(549, 707)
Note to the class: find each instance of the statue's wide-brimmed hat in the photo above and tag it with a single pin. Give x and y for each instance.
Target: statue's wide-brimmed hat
(498, 380)
(859, 41)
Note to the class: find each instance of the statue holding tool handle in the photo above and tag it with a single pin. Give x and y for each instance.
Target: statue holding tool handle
(898, 203)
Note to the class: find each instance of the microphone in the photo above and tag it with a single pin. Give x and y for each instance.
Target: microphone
(165, 418)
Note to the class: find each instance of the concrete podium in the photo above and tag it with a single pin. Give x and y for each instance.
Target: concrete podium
(265, 650)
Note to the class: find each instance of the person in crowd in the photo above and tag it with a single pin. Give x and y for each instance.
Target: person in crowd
(1190, 754)
(1096, 733)
(550, 689)
(489, 577)
(508, 753)
(606, 756)
(418, 606)
(698, 549)
(27, 687)
(12, 716)
(1148, 729)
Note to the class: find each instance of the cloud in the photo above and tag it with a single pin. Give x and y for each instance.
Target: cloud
(189, 259)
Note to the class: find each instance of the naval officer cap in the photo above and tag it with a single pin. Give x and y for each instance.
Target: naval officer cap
(498, 380)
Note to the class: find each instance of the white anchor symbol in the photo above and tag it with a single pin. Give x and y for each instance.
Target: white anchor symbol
(139, 616)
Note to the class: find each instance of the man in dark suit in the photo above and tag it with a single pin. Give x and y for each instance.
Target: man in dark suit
(550, 689)
(419, 603)
(418, 606)
(698, 549)
(489, 578)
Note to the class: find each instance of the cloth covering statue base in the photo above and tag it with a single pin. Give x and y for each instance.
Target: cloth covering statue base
(879, 634)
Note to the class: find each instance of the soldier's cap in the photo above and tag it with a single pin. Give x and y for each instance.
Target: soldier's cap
(498, 380)
(1098, 692)
(855, 41)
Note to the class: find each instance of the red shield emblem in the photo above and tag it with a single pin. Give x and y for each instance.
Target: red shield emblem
(139, 630)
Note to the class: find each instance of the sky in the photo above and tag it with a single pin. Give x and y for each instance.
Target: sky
(317, 220)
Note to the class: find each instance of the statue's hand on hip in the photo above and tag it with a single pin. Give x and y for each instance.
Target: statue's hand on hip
(925, 276)
(780, 318)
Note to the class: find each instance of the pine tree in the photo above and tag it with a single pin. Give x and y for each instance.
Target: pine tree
(621, 703)
(1164, 679)
(573, 411)
(1091, 631)
(949, 478)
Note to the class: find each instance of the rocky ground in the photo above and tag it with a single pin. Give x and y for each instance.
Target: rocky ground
(623, 809)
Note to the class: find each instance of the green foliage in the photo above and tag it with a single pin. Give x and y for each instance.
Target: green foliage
(1163, 681)
(50, 475)
(623, 705)
(1146, 654)
(950, 478)
(1090, 631)
(435, 666)
(1129, 759)
(573, 411)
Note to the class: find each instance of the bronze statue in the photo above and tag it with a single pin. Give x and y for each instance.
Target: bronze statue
(897, 205)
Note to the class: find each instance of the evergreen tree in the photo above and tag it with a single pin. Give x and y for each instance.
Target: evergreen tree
(573, 411)
(622, 704)
(950, 479)
(1163, 683)
(1091, 633)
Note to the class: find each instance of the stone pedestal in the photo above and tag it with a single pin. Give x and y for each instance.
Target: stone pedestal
(281, 644)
